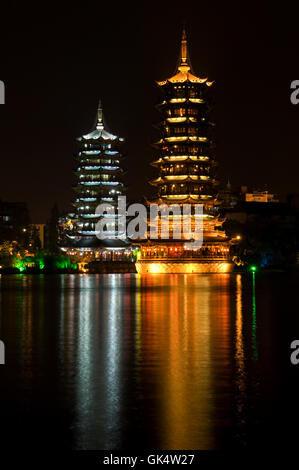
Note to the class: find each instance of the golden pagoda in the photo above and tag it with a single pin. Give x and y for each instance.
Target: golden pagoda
(185, 160)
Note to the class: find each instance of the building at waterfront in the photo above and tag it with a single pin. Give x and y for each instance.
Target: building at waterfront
(260, 196)
(185, 163)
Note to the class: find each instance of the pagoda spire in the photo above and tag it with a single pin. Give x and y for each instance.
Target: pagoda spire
(100, 123)
(184, 60)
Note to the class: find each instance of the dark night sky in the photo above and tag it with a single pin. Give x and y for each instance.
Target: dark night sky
(56, 62)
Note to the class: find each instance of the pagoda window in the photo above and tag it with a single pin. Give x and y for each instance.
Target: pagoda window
(179, 112)
(180, 92)
(192, 150)
(179, 130)
(192, 112)
(192, 93)
(192, 130)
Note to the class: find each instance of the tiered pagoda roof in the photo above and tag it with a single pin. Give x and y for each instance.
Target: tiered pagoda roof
(185, 150)
(184, 68)
(99, 180)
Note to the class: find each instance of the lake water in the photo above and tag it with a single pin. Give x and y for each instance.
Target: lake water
(172, 361)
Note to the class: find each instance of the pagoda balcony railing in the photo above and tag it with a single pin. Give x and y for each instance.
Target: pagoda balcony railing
(202, 132)
(185, 172)
(182, 258)
(98, 159)
(98, 182)
(184, 192)
(184, 138)
(188, 150)
(91, 169)
(190, 158)
(97, 175)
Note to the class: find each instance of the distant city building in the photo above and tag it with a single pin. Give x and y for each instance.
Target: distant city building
(40, 232)
(260, 196)
(228, 197)
(14, 221)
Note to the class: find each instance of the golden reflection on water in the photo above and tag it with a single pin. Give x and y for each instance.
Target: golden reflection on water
(239, 355)
(25, 317)
(183, 321)
(159, 355)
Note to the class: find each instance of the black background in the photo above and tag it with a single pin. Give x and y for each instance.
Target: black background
(57, 60)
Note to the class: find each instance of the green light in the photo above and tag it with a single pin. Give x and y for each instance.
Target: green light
(19, 264)
(253, 268)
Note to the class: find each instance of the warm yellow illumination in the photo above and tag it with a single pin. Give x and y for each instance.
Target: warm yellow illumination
(183, 75)
(182, 138)
(176, 177)
(183, 158)
(157, 162)
(83, 267)
(200, 139)
(157, 181)
(178, 100)
(199, 158)
(177, 119)
(196, 100)
(176, 196)
(185, 196)
(178, 158)
(176, 139)
(167, 266)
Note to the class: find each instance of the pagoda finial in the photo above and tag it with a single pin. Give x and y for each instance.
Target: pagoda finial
(100, 124)
(184, 56)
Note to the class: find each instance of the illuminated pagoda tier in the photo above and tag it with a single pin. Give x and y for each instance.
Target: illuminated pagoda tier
(185, 161)
(99, 180)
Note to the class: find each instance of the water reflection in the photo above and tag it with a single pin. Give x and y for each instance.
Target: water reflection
(240, 376)
(148, 361)
(253, 336)
(171, 336)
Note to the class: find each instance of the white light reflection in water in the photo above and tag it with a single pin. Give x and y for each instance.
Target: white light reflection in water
(67, 324)
(98, 361)
(114, 324)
